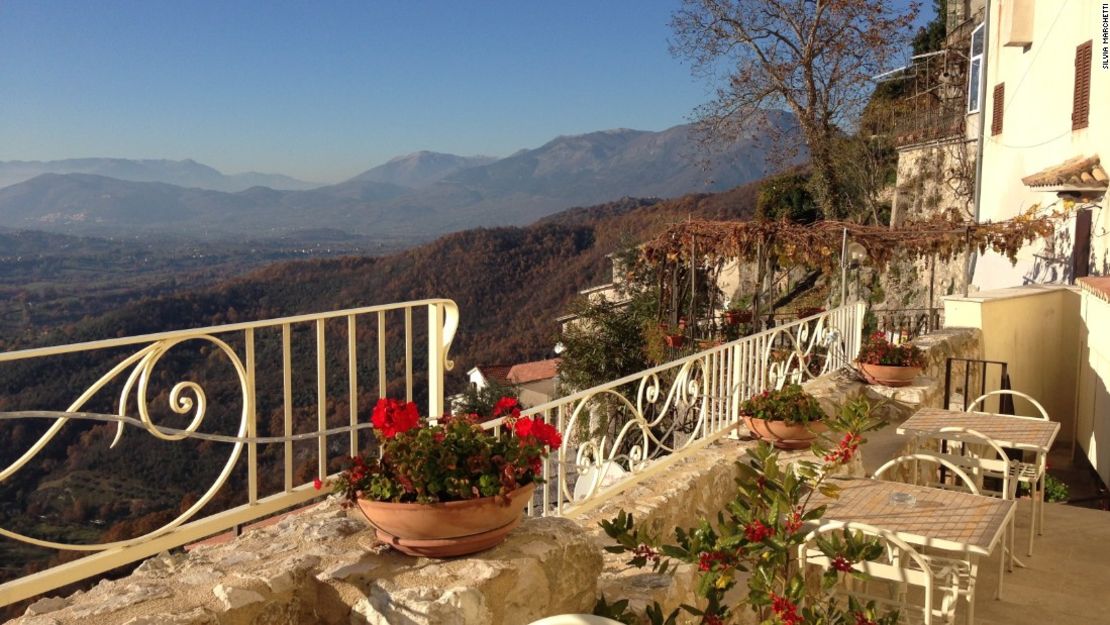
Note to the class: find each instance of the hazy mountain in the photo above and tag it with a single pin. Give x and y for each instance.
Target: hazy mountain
(187, 173)
(567, 171)
(604, 165)
(586, 169)
(420, 169)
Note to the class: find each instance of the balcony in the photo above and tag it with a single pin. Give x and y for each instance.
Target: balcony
(670, 463)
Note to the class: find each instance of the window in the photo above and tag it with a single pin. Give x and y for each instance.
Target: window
(997, 100)
(1081, 95)
(975, 71)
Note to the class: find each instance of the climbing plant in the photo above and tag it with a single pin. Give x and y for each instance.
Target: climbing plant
(818, 245)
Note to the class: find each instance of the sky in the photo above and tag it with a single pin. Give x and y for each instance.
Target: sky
(324, 90)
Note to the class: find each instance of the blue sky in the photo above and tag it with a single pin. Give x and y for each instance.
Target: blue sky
(324, 90)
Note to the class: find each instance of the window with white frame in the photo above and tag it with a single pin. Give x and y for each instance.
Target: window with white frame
(975, 71)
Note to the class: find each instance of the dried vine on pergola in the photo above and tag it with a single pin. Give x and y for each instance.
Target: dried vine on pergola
(818, 245)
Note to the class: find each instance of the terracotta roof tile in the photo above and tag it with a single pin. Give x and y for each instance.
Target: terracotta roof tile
(1099, 287)
(1079, 173)
(531, 371)
(496, 373)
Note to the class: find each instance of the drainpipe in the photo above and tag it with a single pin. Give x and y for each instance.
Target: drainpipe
(970, 269)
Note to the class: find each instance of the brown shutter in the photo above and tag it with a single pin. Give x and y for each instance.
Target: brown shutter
(1081, 96)
(996, 106)
(1081, 253)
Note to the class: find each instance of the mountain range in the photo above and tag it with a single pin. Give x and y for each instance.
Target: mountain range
(419, 195)
(187, 173)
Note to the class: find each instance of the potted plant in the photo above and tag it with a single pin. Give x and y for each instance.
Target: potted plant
(673, 335)
(788, 418)
(447, 489)
(738, 311)
(888, 364)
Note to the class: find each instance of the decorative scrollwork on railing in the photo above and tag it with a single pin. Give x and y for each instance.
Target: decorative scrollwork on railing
(185, 398)
(645, 430)
(670, 407)
(803, 351)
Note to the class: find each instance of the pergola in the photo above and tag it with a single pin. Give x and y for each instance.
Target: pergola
(824, 245)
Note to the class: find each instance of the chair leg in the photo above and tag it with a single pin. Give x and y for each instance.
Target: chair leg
(1001, 569)
(1012, 533)
(1032, 522)
(1040, 521)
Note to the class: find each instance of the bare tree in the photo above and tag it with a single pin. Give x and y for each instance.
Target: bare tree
(814, 58)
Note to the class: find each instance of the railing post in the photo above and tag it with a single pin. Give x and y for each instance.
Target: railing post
(252, 420)
(435, 362)
(857, 331)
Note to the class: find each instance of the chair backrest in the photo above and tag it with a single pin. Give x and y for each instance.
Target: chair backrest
(941, 460)
(904, 564)
(982, 457)
(1004, 392)
(974, 373)
(575, 619)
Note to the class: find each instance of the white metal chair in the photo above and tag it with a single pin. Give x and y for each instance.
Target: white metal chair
(575, 619)
(932, 458)
(982, 457)
(966, 571)
(1006, 391)
(928, 580)
(1029, 473)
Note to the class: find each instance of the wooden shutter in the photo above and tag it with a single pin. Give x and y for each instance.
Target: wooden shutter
(1081, 252)
(996, 108)
(1081, 96)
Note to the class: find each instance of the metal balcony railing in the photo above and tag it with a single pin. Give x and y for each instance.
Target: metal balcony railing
(610, 431)
(903, 324)
(297, 347)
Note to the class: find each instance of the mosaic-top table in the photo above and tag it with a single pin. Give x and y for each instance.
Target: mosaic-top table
(1027, 433)
(945, 519)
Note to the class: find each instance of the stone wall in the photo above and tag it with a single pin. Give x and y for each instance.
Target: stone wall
(324, 566)
(932, 178)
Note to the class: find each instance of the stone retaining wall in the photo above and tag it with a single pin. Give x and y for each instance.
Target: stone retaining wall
(323, 566)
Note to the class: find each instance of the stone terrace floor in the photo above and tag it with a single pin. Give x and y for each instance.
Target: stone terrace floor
(1067, 580)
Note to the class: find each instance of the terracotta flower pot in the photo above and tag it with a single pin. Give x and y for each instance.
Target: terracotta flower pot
(736, 317)
(785, 435)
(884, 375)
(443, 530)
(675, 340)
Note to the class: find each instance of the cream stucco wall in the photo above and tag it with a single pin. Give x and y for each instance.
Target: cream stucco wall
(1093, 411)
(1035, 330)
(1036, 133)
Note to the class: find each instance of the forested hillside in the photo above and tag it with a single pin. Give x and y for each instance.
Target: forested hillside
(510, 285)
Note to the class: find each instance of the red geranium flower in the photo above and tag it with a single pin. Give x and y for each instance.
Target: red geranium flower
(537, 429)
(506, 406)
(392, 417)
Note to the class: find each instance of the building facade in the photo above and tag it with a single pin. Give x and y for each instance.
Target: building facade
(1046, 114)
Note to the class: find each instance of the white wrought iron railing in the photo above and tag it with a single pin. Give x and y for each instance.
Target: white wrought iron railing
(622, 427)
(294, 353)
(611, 431)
